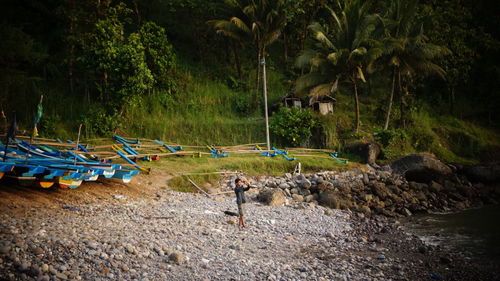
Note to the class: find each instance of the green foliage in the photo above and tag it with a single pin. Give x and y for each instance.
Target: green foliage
(394, 143)
(160, 56)
(236, 84)
(48, 124)
(97, 122)
(113, 67)
(243, 104)
(343, 50)
(137, 78)
(293, 126)
(386, 137)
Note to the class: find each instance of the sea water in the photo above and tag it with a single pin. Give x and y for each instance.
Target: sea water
(476, 231)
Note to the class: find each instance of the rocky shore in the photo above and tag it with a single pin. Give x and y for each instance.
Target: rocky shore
(323, 226)
(180, 236)
(413, 184)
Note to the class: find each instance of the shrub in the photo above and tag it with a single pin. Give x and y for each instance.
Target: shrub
(244, 105)
(293, 126)
(394, 143)
(97, 122)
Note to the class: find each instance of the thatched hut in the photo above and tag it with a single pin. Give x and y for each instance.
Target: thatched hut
(291, 100)
(324, 104)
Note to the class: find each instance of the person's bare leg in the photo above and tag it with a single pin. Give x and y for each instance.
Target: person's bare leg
(243, 222)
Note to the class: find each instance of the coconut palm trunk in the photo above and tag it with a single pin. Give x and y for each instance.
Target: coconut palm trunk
(237, 59)
(356, 104)
(391, 98)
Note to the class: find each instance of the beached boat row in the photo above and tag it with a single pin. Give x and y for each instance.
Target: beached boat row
(45, 166)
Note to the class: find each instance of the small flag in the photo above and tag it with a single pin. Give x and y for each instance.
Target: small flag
(39, 112)
(38, 116)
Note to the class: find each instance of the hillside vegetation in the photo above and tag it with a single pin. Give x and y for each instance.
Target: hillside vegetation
(186, 71)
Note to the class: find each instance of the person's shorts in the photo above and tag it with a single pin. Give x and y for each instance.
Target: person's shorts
(240, 209)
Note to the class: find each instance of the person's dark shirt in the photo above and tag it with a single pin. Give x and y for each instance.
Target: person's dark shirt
(240, 194)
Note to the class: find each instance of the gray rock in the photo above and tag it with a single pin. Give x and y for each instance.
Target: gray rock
(44, 278)
(272, 197)
(329, 199)
(298, 198)
(61, 276)
(309, 198)
(369, 152)
(306, 184)
(44, 267)
(177, 257)
(284, 186)
(5, 250)
(420, 168)
(23, 267)
(287, 192)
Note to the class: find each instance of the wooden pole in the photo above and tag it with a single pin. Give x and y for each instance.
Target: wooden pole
(264, 85)
(199, 188)
(77, 142)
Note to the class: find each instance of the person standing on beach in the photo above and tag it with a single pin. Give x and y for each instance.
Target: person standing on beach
(240, 198)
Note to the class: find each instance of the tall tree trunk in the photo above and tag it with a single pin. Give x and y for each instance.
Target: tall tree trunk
(257, 80)
(136, 8)
(285, 49)
(391, 97)
(356, 104)
(402, 102)
(237, 59)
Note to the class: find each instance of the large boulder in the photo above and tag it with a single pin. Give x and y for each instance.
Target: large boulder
(369, 152)
(272, 197)
(420, 168)
(329, 199)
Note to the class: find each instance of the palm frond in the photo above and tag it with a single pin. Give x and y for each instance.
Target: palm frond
(305, 82)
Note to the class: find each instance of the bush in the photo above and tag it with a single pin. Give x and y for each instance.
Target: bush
(48, 125)
(293, 126)
(394, 143)
(244, 104)
(97, 122)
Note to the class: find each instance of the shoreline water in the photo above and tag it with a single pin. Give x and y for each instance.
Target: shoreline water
(476, 230)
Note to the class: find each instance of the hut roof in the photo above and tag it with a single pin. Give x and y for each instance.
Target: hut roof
(290, 95)
(321, 98)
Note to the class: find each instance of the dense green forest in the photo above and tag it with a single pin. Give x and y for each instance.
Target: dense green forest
(411, 75)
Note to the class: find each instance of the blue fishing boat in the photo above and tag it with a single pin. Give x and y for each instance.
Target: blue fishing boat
(24, 174)
(5, 167)
(125, 174)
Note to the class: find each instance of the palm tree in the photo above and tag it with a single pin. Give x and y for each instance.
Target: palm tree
(259, 22)
(343, 51)
(237, 28)
(406, 48)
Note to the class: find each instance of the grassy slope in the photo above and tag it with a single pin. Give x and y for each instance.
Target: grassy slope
(201, 170)
(204, 111)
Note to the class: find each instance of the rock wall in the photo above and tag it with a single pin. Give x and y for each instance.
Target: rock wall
(370, 191)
